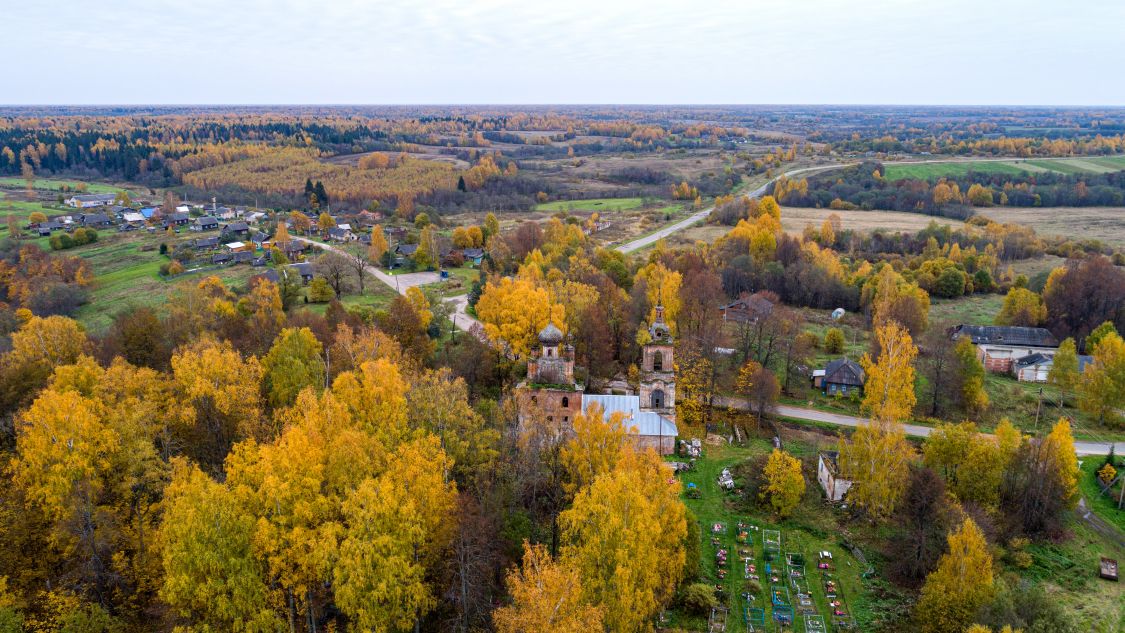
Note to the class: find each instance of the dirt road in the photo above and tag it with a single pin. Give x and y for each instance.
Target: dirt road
(400, 283)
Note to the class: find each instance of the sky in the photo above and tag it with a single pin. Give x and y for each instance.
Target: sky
(968, 52)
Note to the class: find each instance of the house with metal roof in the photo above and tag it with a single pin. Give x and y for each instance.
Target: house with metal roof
(998, 346)
(205, 223)
(85, 201)
(1037, 367)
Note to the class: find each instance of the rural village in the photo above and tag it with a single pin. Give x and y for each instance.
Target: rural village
(523, 370)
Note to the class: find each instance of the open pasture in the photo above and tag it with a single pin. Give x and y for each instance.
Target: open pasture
(56, 184)
(599, 205)
(1013, 167)
(1080, 223)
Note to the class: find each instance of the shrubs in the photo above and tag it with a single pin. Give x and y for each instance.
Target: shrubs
(320, 291)
(834, 341)
(699, 598)
(63, 241)
(171, 268)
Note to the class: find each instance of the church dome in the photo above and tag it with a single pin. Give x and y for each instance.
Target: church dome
(551, 335)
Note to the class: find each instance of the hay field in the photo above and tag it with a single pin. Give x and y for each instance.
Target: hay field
(1083, 223)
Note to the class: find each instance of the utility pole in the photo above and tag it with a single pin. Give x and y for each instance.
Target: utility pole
(1038, 408)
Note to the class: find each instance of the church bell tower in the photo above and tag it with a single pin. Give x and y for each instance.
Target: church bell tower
(658, 376)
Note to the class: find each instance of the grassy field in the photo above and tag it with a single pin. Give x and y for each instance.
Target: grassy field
(1103, 505)
(1014, 167)
(1068, 571)
(979, 309)
(812, 529)
(1087, 223)
(594, 204)
(126, 270)
(54, 184)
(794, 220)
(925, 171)
(376, 295)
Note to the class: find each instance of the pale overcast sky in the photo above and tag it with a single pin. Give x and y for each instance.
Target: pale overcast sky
(563, 51)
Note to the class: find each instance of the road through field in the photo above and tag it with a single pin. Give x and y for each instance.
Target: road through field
(698, 216)
(400, 283)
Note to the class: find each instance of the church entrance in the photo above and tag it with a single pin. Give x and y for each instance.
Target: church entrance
(658, 399)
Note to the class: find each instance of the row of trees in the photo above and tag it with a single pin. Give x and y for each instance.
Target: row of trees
(863, 186)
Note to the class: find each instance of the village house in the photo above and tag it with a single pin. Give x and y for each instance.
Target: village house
(177, 219)
(222, 258)
(305, 270)
(404, 252)
(205, 223)
(46, 228)
(235, 228)
(235, 247)
(95, 220)
(339, 234)
(474, 255)
(841, 376)
(260, 240)
(1037, 367)
(828, 474)
(367, 218)
(86, 201)
(999, 346)
(205, 243)
(294, 247)
(747, 309)
(132, 217)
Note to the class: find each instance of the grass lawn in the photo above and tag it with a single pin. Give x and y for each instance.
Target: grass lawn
(460, 281)
(1104, 505)
(593, 204)
(376, 295)
(813, 528)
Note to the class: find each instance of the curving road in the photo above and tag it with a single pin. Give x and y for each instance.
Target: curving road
(698, 216)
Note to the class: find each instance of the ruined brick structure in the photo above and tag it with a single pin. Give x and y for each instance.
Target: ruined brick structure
(658, 376)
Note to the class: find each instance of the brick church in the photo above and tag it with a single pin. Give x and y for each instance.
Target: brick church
(650, 415)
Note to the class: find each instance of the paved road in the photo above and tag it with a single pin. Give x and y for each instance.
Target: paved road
(1083, 448)
(698, 216)
(400, 283)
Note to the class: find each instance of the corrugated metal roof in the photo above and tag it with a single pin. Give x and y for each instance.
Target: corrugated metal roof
(644, 422)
